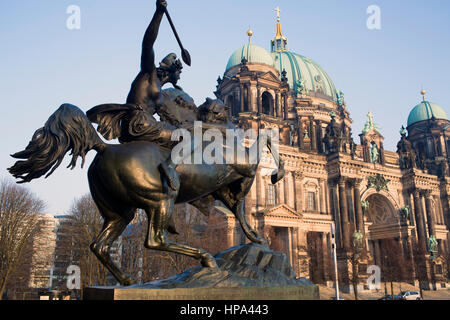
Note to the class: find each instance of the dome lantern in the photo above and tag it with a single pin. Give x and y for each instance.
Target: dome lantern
(279, 42)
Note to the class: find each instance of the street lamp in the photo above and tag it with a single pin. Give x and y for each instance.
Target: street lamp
(333, 252)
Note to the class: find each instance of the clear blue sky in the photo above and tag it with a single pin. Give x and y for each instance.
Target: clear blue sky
(43, 64)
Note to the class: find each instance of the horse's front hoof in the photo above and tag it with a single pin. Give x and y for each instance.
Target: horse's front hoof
(208, 261)
(128, 281)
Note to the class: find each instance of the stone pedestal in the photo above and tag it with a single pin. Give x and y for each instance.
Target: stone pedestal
(242, 293)
(247, 272)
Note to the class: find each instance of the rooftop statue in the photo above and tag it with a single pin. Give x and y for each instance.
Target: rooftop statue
(139, 173)
(432, 244)
(370, 124)
(374, 154)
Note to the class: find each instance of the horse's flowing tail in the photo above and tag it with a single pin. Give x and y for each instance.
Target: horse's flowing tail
(68, 129)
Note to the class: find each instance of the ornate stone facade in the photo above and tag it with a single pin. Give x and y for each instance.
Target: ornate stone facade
(398, 196)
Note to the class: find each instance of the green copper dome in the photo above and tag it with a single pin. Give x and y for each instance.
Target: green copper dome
(252, 53)
(304, 75)
(426, 111)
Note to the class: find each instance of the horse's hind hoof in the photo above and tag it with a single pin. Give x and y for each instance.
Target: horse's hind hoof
(208, 261)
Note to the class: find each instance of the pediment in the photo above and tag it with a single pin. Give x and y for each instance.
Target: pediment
(282, 211)
(269, 75)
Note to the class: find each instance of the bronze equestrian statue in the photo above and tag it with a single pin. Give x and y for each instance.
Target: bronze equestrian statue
(139, 173)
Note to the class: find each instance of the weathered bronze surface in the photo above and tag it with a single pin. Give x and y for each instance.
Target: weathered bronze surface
(139, 173)
(246, 272)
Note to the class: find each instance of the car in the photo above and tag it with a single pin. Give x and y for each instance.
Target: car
(391, 297)
(410, 295)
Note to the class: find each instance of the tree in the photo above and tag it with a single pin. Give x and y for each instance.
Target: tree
(132, 257)
(320, 263)
(396, 266)
(19, 209)
(193, 229)
(85, 224)
(420, 267)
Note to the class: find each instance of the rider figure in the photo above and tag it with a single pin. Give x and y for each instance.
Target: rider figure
(146, 93)
(134, 121)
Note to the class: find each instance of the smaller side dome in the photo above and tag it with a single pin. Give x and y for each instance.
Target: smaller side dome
(426, 111)
(252, 53)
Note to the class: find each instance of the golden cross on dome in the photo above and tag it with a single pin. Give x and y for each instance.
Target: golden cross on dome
(277, 9)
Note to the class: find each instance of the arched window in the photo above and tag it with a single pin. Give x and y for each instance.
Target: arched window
(267, 103)
(246, 98)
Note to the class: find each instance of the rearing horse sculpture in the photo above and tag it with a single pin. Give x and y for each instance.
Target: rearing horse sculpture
(139, 173)
(125, 177)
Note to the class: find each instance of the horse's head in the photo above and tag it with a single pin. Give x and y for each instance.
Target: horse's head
(214, 111)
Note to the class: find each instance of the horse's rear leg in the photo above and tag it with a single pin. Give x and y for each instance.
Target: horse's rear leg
(158, 221)
(112, 229)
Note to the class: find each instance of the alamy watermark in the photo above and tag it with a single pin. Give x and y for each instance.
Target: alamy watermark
(226, 146)
(74, 277)
(374, 280)
(73, 22)
(374, 19)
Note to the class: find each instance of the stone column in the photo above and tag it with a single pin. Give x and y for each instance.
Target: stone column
(410, 255)
(319, 136)
(430, 213)
(298, 191)
(344, 213)
(358, 207)
(258, 190)
(412, 218)
(439, 210)
(377, 252)
(285, 106)
(286, 188)
(325, 253)
(301, 133)
(335, 209)
(231, 228)
(241, 87)
(322, 191)
(419, 221)
(327, 198)
(250, 99)
(277, 103)
(312, 134)
(280, 103)
(258, 100)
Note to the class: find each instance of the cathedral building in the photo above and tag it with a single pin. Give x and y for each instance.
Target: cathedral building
(388, 203)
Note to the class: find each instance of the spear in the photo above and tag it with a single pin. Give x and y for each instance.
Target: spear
(184, 53)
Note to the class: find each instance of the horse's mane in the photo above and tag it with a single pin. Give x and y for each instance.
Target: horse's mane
(208, 110)
(177, 107)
